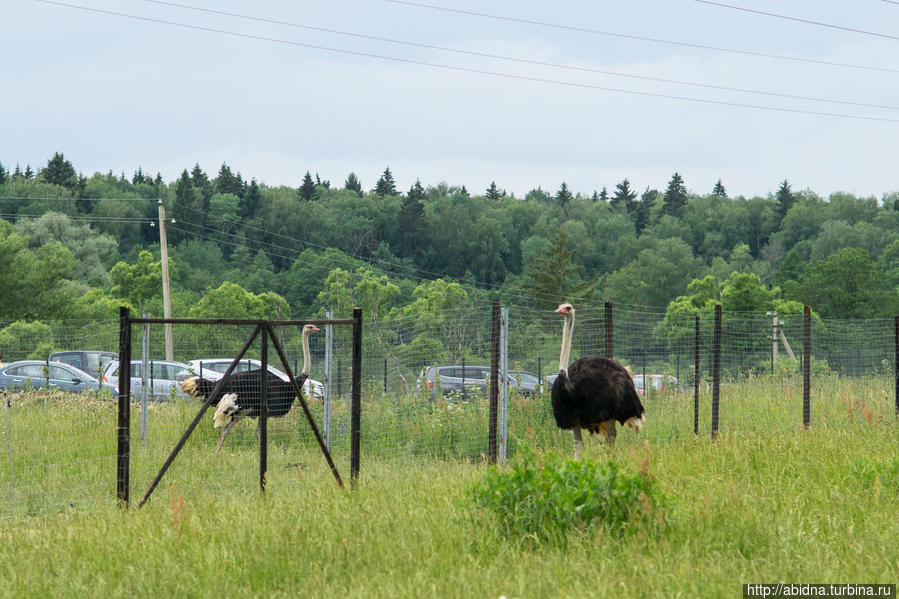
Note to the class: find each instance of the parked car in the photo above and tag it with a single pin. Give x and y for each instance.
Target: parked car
(660, 382)
(214, 368)
(92, 362)
(162, 378)
(38, 374)
(452, 378)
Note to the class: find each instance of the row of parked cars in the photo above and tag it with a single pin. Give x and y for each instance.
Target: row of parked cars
(455, 378)
(78, 371)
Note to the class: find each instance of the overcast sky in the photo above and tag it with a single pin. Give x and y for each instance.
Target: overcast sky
(512, 95)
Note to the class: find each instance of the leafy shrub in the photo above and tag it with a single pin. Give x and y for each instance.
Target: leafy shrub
(544, 497)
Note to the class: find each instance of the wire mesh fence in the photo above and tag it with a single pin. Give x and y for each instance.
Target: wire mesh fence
(59, 450)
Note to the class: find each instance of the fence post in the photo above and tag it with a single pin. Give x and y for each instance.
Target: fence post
(494, 384)
(263, 410)
(329, 344)
(608, 323)
(716, 370)
(806, 367)
(504, 388)
(124, 428)
(696, 377)
(356, 406)
(145, 360)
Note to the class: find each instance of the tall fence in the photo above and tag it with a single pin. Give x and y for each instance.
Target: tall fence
(59, 451)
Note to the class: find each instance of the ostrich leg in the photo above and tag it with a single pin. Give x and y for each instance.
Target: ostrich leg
(578, 442)
(225, 430)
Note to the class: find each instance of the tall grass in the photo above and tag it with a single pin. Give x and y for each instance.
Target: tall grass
(787, 506)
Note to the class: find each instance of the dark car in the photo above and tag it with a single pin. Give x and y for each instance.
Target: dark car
(454, 378)
(38, 374)
(92, 362)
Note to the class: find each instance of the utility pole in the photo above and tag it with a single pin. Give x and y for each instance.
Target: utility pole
(166, 293)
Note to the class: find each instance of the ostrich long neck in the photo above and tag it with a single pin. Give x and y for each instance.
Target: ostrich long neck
(567, 329)
(307, 361)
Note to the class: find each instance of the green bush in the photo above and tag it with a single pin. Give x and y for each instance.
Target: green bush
(544, 497)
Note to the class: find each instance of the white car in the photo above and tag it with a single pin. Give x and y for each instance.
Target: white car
(213, 368)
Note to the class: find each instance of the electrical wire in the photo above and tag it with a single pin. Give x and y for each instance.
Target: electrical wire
(797, 19)
(525, 60)
(643, 38)
(486, 72)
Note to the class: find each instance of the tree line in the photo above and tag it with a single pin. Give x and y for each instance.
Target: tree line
(76, 246)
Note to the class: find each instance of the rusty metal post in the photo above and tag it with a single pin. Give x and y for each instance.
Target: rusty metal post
(124, 425)
(494, 385)
(716, 371)
(806, 367)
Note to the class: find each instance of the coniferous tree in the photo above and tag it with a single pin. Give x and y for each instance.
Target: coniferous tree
(493, 192)
(563, 196)
(4, 174)
(227, 182)
(138, 177)
(323, 182)
(307, 189)
(624, 199)
(352, 183)
(675, 198)
(785, 199)
(719, 189)
(60, 171)
(250, 200)
(386, 186)
(411, 222)
(29, 174)
(554, 277)
(643, 210)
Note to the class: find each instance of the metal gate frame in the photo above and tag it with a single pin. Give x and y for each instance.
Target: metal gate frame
(266, 329)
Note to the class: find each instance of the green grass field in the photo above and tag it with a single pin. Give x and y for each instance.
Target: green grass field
(767, 501)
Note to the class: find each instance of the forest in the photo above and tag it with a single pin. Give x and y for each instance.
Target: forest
(77, 247)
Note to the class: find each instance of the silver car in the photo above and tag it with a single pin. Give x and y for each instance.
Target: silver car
(162, 378)
(38, 374)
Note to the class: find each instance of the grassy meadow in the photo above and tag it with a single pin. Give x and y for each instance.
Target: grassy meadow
(767, 501)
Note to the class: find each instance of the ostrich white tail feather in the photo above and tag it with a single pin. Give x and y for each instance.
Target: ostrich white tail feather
(227, 406)
(635, 423)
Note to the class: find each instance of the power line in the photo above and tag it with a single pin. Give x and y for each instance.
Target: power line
(644, 38)
(483, 71)
(798, 20)
(523, 60)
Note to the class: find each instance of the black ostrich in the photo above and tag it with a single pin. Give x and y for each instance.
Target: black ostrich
(593, 393)
(240, 396)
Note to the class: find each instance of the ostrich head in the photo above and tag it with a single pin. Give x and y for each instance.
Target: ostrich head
(565, 309)
(310, 328)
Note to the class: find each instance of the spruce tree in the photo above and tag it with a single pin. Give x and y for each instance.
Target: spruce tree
(554, 277)
(785, 199)
(411, 222)
(307, 189)
(493, 192)
(624, 199)
(643, 211)
(563, 196)
(386, 186)
(719, 190)
(352, 183)
(59, 171)
(675, 198)
(4, 174)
